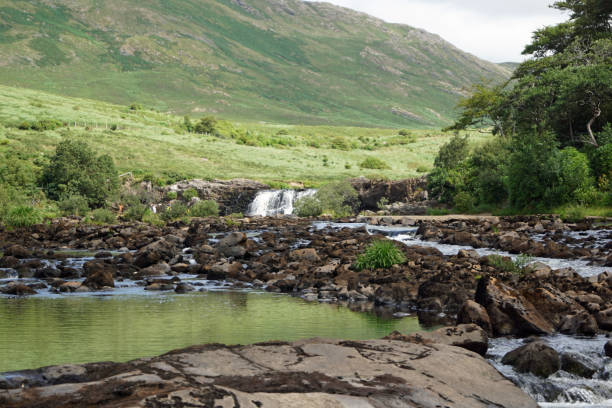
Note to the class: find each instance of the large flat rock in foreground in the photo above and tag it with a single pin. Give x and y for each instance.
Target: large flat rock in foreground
(311, 373)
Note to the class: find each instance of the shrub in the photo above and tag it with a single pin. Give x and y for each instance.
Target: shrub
(380, 254)
(404, 132)
(340, 143)
(113, 127)
(103, 216)
(135, 107)
(573, 177)
(74, 205)
(175, 211)
(76, 170)
(206, 208)
(207, 124)
(531, 170)
(151, 218)
(519, 265)
(189, 194)
(452, 152)
(23, 216)
(171, 195)
(464, 201)
(601, 161)
(422, 169)
(573, 213)
(135, 212)
(339, 198)
(373, 163)
(308, 207)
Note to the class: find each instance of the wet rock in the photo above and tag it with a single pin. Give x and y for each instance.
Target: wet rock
(17, 289)
(99, 274)
(233, 245)
(69, 286)
(158, 251)
(604, 319)
(608, 348)
(306, 254)
(160, 269)
(577, 365)
(9, 261)
(509, 311)
(184, 288)
(224, 270)
(561, 310)
(233, 239)
(18, 251)
(536, 358)
(581, 323)
(472, 312)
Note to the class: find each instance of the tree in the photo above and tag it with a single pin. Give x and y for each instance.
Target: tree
(75, 169)
(566, 87)
(207, 125)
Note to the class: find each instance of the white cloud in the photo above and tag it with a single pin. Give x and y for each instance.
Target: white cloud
(496, 30)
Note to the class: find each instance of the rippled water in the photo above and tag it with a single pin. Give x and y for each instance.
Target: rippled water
(46, 330)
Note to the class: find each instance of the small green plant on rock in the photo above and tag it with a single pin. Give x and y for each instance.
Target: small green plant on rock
(189, 194)
(175, 211)
(103, 216)
(518, 266)
(207, 208)
(23, 216)
(380, 254)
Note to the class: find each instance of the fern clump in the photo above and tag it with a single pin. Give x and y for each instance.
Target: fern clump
(380, 254)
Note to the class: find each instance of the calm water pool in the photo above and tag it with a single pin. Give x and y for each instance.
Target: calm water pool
(42, 331)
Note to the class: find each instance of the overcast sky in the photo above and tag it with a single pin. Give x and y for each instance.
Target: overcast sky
(495, 30)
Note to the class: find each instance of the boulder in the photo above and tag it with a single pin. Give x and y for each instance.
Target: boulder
(562, 311)
(578, 365)
(509, 311)
(468, 336)
(160, 269)
(305, 255)
(158, 251)
(472, 312)
(18, 251)
(604, 319)
(536, 358)
(224, 270)
(312, 373)
(9, 261)
(99, 274)
(184, 288)
(17, 289)
(581, 323)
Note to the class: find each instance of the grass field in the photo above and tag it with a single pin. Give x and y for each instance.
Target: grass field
(147, 142)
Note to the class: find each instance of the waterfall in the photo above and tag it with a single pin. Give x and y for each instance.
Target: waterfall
(276, 202)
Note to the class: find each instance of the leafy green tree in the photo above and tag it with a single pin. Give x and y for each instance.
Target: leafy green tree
(207, 125)
(75, 169)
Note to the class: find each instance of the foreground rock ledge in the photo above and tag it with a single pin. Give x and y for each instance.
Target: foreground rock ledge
(309, 373)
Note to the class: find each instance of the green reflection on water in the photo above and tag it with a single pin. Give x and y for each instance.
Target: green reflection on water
(36, 332)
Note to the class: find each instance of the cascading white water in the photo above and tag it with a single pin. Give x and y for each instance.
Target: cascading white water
(276, 202)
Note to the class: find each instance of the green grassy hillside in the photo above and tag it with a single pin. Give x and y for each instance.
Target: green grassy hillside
(152, 144)
(283, 61)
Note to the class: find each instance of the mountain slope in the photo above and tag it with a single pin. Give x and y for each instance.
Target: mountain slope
(275, 60)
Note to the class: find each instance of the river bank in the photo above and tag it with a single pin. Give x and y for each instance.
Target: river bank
(449, 278)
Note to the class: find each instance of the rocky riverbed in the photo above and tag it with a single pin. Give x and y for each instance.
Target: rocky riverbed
(449, 277)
